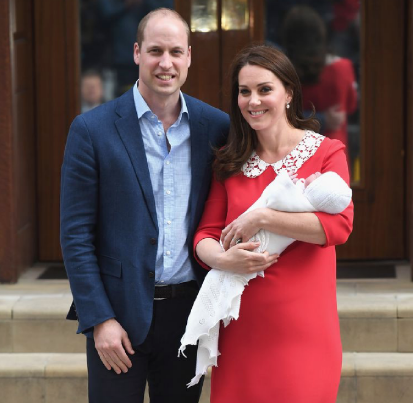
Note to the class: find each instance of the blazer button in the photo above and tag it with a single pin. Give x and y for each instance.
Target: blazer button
(151, 274)
(153, 241)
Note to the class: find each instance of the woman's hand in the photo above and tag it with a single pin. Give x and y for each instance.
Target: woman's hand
(242, 229)
(241, 259)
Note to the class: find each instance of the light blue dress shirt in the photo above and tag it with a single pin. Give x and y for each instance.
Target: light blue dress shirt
(171, 183)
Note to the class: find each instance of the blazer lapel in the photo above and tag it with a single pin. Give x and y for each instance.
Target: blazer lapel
(199, 155)
(130, 133)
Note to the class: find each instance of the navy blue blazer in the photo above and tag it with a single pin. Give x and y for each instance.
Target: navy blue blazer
(109, 229)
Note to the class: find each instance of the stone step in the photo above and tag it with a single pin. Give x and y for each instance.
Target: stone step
(51, 377)
(374, 317)
(376, 378)
(46, 377)
(37, 323)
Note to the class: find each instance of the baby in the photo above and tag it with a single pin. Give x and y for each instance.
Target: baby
(220, 295)
(326, 192)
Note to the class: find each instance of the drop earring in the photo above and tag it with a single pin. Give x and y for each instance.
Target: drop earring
(288, 106)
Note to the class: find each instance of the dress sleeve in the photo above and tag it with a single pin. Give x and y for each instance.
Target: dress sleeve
(337, 227)
(213, 218)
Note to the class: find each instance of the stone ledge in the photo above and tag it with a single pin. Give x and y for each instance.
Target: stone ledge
(366, 378)
(364, 306)
(6, 306)
(405, 307)
(40, 336)
(375, 287)
(46, 365)
(363, 299)
(375, 306)
(377, 364)
(35, 307)
(73, 365)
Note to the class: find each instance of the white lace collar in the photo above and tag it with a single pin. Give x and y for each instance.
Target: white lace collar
(305, 149)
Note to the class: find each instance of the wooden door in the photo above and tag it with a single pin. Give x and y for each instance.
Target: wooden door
(57, 103)
(381, 213)
(381, 221)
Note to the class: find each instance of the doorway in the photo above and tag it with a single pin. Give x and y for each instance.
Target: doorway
(379, 190)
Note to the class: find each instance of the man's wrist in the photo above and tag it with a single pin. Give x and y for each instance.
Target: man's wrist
(105, 321)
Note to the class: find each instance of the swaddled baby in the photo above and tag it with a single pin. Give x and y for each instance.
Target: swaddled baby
(326, 192)
(220, 295)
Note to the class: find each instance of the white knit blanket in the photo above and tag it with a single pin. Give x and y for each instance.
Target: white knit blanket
(220, 295)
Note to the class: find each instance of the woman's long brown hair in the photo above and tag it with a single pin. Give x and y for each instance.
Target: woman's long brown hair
(242, 139)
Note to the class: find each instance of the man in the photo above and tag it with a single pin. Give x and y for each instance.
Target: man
(135, 177)
(91, 90)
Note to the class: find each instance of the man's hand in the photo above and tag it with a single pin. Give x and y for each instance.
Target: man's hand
(111, 341)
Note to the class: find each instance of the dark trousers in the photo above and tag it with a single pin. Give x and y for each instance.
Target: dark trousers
(155, 360)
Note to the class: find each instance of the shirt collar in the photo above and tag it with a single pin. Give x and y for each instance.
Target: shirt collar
(142, 107)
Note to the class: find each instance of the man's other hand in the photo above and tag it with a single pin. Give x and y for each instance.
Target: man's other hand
(111, 341)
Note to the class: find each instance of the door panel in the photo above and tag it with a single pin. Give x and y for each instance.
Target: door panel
(380, 227)
(57, 103)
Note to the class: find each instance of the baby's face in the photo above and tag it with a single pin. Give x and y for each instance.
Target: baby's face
(311, 178)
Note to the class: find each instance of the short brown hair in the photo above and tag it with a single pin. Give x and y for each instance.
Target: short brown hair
(162, 11)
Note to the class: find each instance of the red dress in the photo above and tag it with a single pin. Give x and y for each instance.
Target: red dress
(285, 347)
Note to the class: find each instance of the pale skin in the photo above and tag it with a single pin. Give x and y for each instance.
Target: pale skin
(262, 100)
(163, 59)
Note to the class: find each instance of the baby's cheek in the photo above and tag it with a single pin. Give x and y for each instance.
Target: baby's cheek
(309, 180)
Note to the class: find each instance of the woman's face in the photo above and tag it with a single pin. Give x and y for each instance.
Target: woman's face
(262, 98)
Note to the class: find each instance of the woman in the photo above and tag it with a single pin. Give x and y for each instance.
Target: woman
(285, 346)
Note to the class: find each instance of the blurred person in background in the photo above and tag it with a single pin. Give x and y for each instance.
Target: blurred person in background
(91, 90)
(328, 81)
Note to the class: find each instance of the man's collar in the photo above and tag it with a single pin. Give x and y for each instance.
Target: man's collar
(142, 107)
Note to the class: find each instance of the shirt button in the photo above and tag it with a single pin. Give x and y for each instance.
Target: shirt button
(168, 252)
(151, 274)
(169, 222)
(167, 162)
(168, 192)
(153, 241)
(159, 134)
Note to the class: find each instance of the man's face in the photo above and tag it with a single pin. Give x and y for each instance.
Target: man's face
(164, 57)
(92, 90)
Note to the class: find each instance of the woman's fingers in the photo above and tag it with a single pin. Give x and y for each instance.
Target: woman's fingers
(226, 237)
(244, 260)
(250, 246)
(235, 241)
